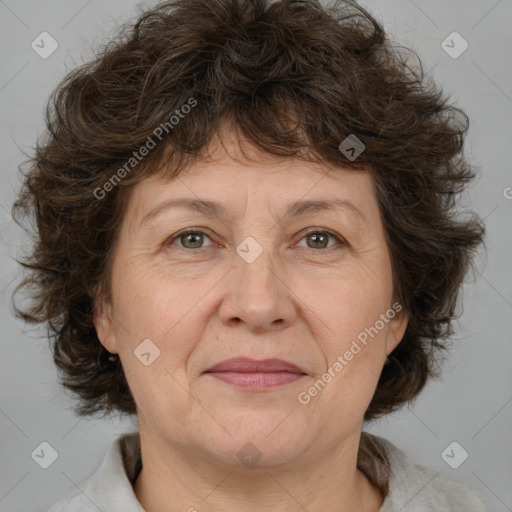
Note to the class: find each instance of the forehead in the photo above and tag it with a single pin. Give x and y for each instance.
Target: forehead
(234, 177)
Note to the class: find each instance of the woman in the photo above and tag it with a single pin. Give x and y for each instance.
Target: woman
(247, 238)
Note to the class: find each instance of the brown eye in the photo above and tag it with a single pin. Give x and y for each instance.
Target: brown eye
(320, 239)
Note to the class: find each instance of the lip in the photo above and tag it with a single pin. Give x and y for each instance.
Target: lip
(248, 365)
(256, 375)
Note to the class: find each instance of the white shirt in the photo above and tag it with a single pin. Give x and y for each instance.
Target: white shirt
(408, 485)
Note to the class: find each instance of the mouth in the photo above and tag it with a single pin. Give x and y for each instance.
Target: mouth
(256, 375)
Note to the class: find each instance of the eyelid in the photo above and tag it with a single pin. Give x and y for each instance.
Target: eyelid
(341, 241)
(186, 231)
(204, 231)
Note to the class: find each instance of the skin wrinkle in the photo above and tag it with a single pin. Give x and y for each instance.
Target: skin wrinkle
(335, 78)
(289, 304)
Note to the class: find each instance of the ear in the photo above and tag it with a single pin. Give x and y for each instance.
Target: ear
(102, 319)
(397, 326)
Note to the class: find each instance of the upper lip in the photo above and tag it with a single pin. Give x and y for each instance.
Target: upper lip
(247, 365)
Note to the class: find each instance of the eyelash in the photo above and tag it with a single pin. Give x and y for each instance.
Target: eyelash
(340, 240)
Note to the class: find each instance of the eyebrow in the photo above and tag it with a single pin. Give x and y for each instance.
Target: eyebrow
(212, 208)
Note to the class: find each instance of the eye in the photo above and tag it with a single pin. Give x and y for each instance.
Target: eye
(189, 239)
(194, 239)
(320, 239)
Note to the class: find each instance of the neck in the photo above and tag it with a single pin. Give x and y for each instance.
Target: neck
(174, 479)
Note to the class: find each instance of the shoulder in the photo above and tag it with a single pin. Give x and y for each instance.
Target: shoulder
(109, 489)
(74, 501)
(418, 488)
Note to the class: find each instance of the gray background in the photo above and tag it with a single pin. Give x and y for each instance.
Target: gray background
(470, 405)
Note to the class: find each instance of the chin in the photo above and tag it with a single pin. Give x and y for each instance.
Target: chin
(259, 440)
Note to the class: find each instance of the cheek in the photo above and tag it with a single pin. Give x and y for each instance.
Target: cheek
(355, 302)
(355, 345)
(170, 314)
(159, 397)
(353, 361)
(146, 297)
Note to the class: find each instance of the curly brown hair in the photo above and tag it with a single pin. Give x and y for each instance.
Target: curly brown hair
(295, 78)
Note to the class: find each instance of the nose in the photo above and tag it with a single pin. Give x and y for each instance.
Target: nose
(259, 294)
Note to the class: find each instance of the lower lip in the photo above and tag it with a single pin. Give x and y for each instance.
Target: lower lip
(257, 381)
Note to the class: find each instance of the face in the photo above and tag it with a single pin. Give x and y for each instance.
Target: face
(255, 279)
